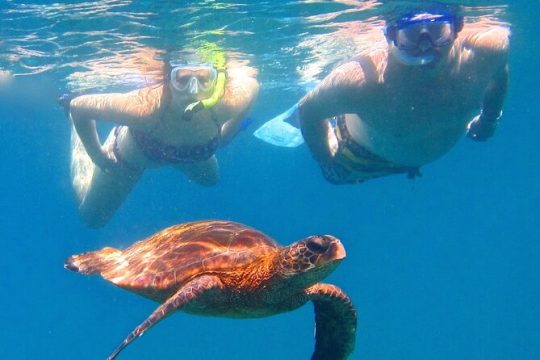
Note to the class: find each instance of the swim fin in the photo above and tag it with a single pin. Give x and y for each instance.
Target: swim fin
(283, 130)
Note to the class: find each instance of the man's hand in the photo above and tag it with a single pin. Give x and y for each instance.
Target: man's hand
(481, 129)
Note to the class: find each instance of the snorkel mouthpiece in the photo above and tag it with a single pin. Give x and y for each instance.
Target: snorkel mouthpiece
(217, 94)
(413, 60)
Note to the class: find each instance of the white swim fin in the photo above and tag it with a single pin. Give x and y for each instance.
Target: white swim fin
(282, 130)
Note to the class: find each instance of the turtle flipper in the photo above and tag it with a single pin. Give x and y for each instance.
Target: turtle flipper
(184, 295)
(335, 322)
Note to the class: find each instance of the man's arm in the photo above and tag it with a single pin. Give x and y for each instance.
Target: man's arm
(495, 95)
(336, 94)
(490, 43)
(484, 125)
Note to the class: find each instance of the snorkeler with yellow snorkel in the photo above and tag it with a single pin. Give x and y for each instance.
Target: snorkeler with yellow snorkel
(180, 122)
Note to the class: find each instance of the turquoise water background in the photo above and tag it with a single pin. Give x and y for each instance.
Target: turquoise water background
(443, 267)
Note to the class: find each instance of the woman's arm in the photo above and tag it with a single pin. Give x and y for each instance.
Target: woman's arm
(241, 91)
(130, 109)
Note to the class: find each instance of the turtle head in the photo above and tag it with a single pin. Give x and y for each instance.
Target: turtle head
(310, 260)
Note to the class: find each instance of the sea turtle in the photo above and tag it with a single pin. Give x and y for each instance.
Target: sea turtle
(222, 268)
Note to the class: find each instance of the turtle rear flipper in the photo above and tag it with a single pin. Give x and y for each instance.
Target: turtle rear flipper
(335, 322)
(93, 262)
(186, 293)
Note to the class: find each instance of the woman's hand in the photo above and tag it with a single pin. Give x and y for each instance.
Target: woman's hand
(65, 102)
(107, 162)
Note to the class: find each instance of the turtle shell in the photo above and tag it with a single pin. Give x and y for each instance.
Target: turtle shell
(157, 266)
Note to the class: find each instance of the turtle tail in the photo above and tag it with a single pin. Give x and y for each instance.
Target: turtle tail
(93, 262)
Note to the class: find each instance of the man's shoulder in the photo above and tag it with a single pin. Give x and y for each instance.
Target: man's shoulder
(377, 54)
(490, 38)
(366, 66)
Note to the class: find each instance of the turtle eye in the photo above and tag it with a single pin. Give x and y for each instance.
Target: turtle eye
(317, 244)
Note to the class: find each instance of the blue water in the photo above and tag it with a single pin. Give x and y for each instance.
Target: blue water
(442, 267)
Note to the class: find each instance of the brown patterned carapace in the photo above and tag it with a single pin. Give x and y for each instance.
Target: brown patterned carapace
(223, 268)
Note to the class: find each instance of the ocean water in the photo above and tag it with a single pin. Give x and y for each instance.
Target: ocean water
(446, 266)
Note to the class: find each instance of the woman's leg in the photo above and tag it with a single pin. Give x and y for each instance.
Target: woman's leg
(99, 193)
(203, 172)
(82, 167)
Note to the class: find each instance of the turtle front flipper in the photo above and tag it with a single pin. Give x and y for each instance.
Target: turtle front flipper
(335, 322)
(184, 295)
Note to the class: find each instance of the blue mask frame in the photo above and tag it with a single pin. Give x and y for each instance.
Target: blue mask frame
(414, 19)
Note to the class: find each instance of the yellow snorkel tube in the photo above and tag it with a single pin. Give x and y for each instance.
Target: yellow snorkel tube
(214, 55)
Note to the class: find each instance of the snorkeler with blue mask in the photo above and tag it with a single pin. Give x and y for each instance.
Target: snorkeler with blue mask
(417, 38)
(426, 79)
(414, 38)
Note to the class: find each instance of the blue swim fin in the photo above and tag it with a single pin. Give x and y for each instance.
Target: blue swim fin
(283, 130)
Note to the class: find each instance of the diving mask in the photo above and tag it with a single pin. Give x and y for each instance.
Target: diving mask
(194, 80)
(416, 31)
